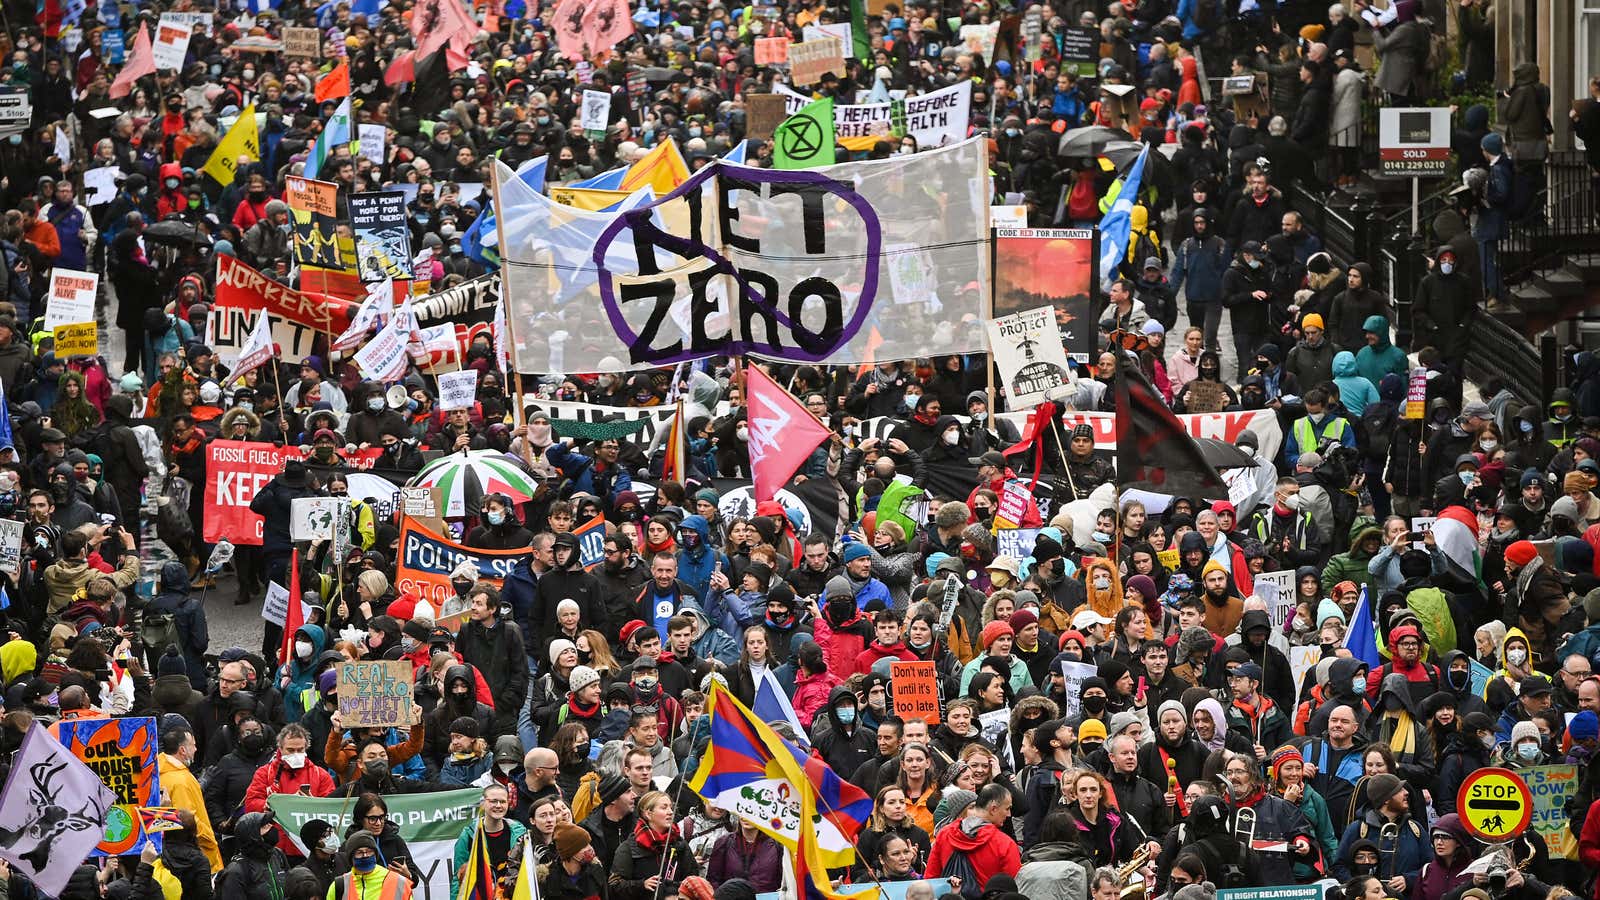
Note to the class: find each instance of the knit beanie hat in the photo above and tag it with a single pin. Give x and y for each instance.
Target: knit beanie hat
(1285, 754)
(558, 647)
(1584, 726)
(1520, 553)
(1021, 619)
(465, 726)
(1092, 730)
(582, 677)
(570, 840)
(1524, 731)
(951, 805)
(993, 632)
(1380, 788)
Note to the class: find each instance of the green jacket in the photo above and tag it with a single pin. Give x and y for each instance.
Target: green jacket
(464, 849)
(1352, 564)
(1316, 810)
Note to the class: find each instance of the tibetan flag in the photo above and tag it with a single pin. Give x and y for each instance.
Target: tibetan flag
(335, 84)
(661, 170)
(1361, 639)
(806, 139)
(243, 139)
(749, 767)
(141, 62)
(675, 462)
(782, 433)
(477, 880)
(773, 705)
(527, 887)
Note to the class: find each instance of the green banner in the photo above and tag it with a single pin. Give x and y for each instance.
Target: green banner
(1551, 787)
(428, 823)
(805, 140)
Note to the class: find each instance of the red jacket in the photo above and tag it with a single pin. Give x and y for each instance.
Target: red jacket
(875, 651)
(990, 850)
(842, 644)
(1589, 843)
(277, 778)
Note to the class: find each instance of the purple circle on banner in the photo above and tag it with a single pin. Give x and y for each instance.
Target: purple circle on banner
(690, 249)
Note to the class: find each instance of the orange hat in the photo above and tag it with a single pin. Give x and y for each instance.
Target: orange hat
(1312, 320)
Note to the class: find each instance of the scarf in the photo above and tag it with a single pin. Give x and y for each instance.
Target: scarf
(586, 712)
(649, 841)
(1403, 740)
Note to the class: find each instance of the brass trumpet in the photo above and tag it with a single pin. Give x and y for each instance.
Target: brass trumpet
(1134, 890)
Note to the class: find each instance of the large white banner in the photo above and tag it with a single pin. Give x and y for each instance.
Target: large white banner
(934, 119)
(790, 265)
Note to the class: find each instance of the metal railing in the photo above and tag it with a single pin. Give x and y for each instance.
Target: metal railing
(1562, 220)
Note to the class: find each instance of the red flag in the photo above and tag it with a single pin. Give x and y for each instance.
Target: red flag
(335, 84)
(435, 22)
(782, 432)
(1154, 450)
(295, 617)
(141, 62)
(403, 69)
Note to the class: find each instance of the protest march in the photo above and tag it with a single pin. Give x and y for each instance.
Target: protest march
(734, 449)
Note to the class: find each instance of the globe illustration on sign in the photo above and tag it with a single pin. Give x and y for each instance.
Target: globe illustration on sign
(119, 824)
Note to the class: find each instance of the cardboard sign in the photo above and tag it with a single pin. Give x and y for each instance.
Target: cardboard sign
(773, 51)
(123, 753)
(810, 60)
(840, 30)
(374, 138)
(376, 692)
(305, 43)
(11, 547)
(916, 690)
(72, 296)
(314, 518)
(77, 340)
(763, 114)
(1417, 393)
(418, 501)
(1028, 351)
(458, 390)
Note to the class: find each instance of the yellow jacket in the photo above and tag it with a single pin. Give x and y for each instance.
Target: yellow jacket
(183, 791)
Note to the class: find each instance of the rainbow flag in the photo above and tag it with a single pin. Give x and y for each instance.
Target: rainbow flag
(675, 463)
(772, 784)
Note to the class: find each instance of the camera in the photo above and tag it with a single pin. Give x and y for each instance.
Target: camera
(1498, 870)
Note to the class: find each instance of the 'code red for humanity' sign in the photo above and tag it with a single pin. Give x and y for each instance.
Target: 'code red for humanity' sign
(236, 471)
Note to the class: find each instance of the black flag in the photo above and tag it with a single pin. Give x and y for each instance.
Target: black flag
(1154, 452)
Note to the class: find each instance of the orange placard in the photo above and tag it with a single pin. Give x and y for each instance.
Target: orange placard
(123, 753)
(916, 690)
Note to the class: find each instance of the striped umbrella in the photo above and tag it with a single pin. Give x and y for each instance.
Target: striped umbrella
(464, 478)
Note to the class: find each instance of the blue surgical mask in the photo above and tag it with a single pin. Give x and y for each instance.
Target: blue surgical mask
(1528, 752)
(375, 404)
(846, 714)
(364, 864)
(1447, 267)
(1525, 427)
(1467, 476)
(496, 517)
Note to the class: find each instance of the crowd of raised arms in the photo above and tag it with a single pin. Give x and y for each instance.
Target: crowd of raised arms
(1129, 702)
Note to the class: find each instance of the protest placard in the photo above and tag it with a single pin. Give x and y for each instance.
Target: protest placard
(305, 43)
(1080, 50)
(171, 41)
(428, 824)
(1055, 266)
(591, 537)
(374, 140)
(916, 690)
(773, 51)
(596, 113)
(1074, 673)
(77, 340)
(1027, 349)
(981, 39)
(375, 692)
(1417, 392)
(458, 390)
(10, 547)
(382, 234)
(810, 60)
(122, 752)
(72, 296)
(1009, 216)
(763, 113)
(935, 119)
(1016, 543)
(840, 30)
(418, 501)
(313, 518)
(100, 185)
(1281, 605)
(314, 219)
(1301, 661)
(427, 558)
(16, 110)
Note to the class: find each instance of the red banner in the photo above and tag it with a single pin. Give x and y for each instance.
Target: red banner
(236, 471)
(297, 318)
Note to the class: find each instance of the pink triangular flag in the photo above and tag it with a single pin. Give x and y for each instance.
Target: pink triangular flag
(403, 69)
(141, 62)
(782, 432)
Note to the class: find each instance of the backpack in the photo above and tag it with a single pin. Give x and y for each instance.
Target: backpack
(586, 799)
(171, 888)
(1081, 201)
(958, 865)
(159, 630)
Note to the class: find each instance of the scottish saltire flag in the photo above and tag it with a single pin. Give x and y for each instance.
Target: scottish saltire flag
(772, 784)
(1116, 225)
(772, 705)
(335, 131)
(738, 153)
(6, 440)
(367, 7)
(480, 241)
(605, 181)
(1361, 638)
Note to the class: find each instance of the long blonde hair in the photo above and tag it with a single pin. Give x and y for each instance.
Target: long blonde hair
(600, 658)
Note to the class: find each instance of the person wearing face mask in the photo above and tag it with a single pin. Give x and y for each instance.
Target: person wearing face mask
(1397, 722)
(322, 842)
(297, 678)
(848, 743)
(1443, 308)
(373, 418)
(498, 528)
(1469, 749)
(458, 700)
(288, 771)
(1525, 749)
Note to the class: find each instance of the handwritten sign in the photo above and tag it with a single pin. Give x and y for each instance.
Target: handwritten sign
(302, 42)
(313, 518)
(772, 51)
(77, 340)
(810, 60)
(458, 390)
(916, 690)
(1074, 673)
(11, 547)
(1282, 602)
(374, 693)
(418, 501)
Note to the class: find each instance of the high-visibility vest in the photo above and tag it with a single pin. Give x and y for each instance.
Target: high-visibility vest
(1305, 434)
(394, 887)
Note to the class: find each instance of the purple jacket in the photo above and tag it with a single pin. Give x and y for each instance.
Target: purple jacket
(760, 863)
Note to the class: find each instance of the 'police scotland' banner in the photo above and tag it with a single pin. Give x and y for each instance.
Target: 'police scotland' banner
(426, 559)
(790, 265)
(383, 239)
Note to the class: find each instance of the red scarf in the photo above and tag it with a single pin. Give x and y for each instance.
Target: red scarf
(588, 712)
(649, 841)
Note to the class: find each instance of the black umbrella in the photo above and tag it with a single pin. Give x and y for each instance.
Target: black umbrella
(1089, 141)
(1223, 455)
(1157, 168)
(177, 233)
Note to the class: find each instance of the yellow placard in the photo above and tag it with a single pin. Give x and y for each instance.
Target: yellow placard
(1495, 804)
(77, 340)
(1168, 558)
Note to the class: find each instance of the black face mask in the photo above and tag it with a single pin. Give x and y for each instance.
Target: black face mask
(253, 744)
(1095, 705)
